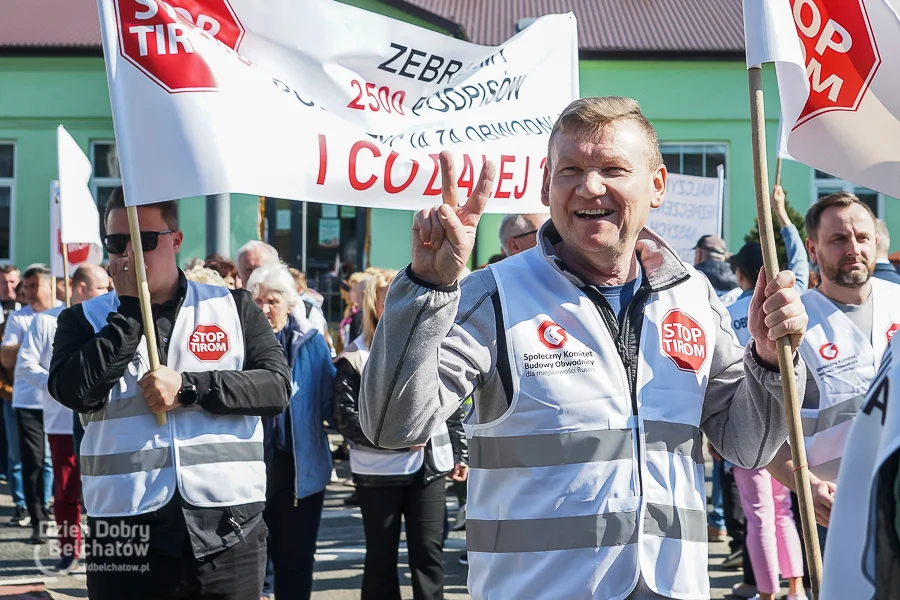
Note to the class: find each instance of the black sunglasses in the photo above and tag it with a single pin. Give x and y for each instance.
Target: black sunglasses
(115, 243)
(515, 237)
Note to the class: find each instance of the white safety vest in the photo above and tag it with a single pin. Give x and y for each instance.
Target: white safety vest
(130, 465)
(849, 567)
(740, 312)
(573, 494)
(370, 461)
(843, 362)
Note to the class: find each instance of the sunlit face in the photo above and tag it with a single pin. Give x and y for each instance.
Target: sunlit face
(248, 262)
(600, 189)
(274, 306)
(97, 286)
(161, 260)
(8, 283)
(844, 246)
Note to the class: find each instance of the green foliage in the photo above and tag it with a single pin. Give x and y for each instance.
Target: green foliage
(796, 218)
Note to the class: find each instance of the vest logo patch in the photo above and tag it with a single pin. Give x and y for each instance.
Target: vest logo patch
(552, 335)
(209, 343)
(828, 351)
(891, 331)
(683, 341)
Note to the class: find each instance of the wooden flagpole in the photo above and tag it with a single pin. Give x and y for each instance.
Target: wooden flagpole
(144, 294)
(778, 172)
(785, 360)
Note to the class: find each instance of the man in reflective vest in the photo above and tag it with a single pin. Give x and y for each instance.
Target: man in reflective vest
(175, 510)
(595, 359)
(852, 317)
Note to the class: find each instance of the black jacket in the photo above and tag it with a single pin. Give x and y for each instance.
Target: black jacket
(719, 274)
(346, 421)
(86, 365)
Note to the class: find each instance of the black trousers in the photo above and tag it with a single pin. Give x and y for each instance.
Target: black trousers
(31, 447)
(293, 530)
(383, 509)
(114, 572)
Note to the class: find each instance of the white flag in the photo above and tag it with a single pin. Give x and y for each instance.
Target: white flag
(74, 219)
(838, 66)
(320, 101)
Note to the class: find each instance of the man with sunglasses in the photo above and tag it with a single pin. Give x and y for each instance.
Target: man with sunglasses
(518, 233)
(188, 496)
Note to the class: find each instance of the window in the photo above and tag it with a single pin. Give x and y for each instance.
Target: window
(106, 174)
(700, 160)
(824, 184)
(7, 187)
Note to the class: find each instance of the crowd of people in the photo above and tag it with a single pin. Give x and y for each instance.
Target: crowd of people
(495, 384)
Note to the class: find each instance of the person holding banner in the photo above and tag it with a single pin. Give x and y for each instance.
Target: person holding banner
(88, 281)
(184, 499)
(596, 360)
(852, 318)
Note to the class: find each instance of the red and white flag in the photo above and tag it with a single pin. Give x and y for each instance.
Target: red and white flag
(838, 66)
(74, 219)
(316, 100)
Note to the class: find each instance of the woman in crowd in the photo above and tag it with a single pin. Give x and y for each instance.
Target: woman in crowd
(228, 271)
(352, 292)
(298, 460)
(396, 484)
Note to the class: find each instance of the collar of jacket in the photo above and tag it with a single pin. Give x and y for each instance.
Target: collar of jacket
(296, 342)
(660, 263)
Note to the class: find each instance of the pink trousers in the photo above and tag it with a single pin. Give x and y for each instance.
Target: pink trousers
(772, 538)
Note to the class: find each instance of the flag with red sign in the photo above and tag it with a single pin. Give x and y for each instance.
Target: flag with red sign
(838, 66)
(74, 219)
(320, 101)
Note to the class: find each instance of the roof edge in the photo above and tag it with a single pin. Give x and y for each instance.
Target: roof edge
(457, 30)
(51, 51)
(663, 55)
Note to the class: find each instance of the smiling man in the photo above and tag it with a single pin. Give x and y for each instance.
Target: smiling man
(595, 359)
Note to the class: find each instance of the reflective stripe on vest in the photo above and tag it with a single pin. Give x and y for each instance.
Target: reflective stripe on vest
(131, 465)
(553, 502)
(843, 362)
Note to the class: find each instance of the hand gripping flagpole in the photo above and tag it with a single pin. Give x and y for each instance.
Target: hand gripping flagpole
(144, 294)
(785, 359)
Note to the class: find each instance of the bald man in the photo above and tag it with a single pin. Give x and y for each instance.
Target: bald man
(33, 365)
(518, 233)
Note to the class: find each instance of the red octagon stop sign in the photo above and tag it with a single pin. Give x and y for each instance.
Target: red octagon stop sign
(209, 343)
(161, 37)
(683, 340)
(840, 52)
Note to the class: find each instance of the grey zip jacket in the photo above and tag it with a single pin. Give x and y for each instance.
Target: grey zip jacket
(437, 345)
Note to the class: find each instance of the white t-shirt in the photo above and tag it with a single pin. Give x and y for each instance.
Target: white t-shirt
(25, 395)
(33, 365)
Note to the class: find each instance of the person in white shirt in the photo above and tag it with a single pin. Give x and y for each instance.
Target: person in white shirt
(39, 296)
(32, 368)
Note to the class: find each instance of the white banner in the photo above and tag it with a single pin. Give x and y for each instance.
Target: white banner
(320, 101)
(79, 253)
(691, 209)
(838, 65)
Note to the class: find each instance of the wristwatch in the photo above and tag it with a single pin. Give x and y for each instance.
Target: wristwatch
(187, 395)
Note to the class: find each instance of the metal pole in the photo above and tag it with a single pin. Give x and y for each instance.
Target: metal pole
(785, 360)
(218, 224)
(305, 236)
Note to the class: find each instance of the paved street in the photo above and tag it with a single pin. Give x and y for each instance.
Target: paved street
(338, 567)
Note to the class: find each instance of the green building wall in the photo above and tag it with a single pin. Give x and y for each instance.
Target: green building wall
(687, 101)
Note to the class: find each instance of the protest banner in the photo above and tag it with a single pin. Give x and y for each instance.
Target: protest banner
(838, 67)
(325, 102)
(692, 208)
(74, 220)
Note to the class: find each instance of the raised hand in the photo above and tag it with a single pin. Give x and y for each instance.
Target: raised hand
(443, 236)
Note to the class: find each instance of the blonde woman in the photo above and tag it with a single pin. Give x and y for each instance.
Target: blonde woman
(394, 485)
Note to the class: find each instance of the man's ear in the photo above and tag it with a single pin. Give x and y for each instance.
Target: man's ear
(659, 186)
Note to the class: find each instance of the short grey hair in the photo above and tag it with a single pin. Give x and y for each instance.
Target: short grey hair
(511, 225)
(268, 253)
(276, 278)
(883, 247)
(203, 275)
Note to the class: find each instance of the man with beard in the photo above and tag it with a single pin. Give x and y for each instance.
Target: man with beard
(852, 317)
